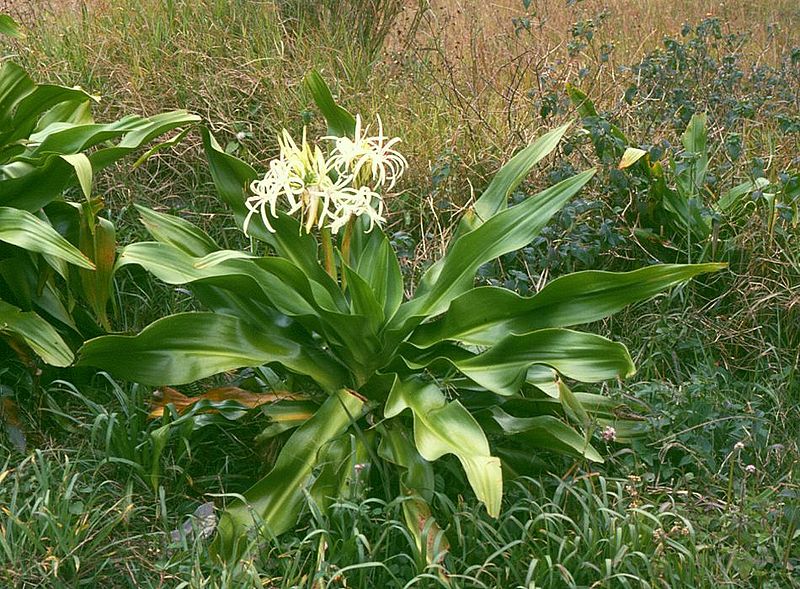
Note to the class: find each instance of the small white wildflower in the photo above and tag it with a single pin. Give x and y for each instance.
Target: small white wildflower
(364, 154)
(738, 446)
(241, 136)
(609, 434)
(750, 469)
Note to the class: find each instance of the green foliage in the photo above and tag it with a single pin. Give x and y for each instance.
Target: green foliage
(357, 348)
(680, 208)
(50, 145)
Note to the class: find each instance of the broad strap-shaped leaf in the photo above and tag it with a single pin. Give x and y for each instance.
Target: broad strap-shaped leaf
(100, 244)
(30, 187)
(40, 174)
(282, 285)
(186, 347)
(572, 406)
(283, 416)
(275, 500)
(139, 132)
(132, 130)
(695, 141)
(728, 202)
(15, 85)
(378, 266)
(503, 233)
(587, 110)
(29, 110)
(362, 299)
(83, 171)
(25, 230)
(503, 368)
(482, 316)
(176, 232)
(37, 333)
(495, 198)
(545, 432)
(77, 112)
(448, 428)
(217, 399)
(544, 378)
(416, 486)
(9, 27)
(343, 469)
(340, 122)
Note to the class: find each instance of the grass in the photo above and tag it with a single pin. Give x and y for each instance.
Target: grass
(466, 85)
(69, 524)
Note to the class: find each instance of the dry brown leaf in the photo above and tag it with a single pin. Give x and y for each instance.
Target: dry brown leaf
(166, 395)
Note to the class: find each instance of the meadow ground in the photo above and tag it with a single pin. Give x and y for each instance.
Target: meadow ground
(709, 497)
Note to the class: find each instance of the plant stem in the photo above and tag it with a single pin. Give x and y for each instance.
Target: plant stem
(346, 239)
(327, 252)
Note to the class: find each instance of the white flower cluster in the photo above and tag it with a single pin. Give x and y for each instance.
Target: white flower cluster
(329, 191)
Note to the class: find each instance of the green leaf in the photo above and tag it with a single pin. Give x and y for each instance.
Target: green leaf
(734, 196)
(186, 347)
(31, 187)
(505, 232)
(9, 27)
(340, 122)
(483, 316)
(545, 432)
(101, 246)
(581, 101)
(41, 174)
(133, 131)
(24, 230)
(83, 170)
(416, 486)
(448, 428)
(503, 368)
(15, 85)
(176, 232)
(275, 501)
(397, 448)
(41, 105)
(36, 333)
(362, 299)
(283, 416)
(378, 266)
(495, 198)
(573, 407)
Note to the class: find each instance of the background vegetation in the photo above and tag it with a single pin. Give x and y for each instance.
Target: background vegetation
(465, 87)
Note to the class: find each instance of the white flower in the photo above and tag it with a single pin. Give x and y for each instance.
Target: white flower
(301, 175)
(609, 434)
(750, 468)
(352, 202)
(368, 155)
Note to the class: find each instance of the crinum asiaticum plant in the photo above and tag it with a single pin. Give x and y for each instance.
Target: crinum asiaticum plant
(56, 255)
(479, 373)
